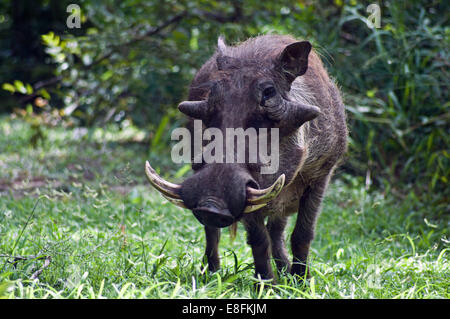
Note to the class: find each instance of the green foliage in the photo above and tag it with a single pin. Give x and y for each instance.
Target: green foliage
(22, 56)
(398, 95)
(136, 58)
(133, 60)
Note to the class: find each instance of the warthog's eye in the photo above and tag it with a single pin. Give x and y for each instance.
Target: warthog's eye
(267, 94)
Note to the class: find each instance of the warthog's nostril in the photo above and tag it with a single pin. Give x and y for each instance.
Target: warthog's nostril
(252, 183)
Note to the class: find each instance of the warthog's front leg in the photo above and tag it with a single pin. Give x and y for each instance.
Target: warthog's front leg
(276, 226)
(258, 238)
(212, 248)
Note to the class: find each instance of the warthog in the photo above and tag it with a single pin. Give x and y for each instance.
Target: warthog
(269, 81)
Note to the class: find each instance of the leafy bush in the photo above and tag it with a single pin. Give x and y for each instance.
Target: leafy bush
(397, 89)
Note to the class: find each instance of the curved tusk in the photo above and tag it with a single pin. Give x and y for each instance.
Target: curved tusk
(252, 208)
(263, 196)
(175, 201)
(168, 189)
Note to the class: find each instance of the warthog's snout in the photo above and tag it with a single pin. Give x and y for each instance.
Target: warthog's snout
(213, 216)
(217, 195)
(212, 211)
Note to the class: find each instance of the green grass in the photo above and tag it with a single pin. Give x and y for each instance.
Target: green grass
(85, 203)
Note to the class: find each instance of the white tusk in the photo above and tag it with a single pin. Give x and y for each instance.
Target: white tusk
(252, 208)
(175, 201)
(263, 196)
(166, 188)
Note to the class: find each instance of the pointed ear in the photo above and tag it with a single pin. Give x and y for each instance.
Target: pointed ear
(221, 46)
(295, 115)
(303, 112)
(293, 61)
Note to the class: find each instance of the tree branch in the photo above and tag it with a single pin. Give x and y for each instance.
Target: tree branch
(177, 18)
(236, 16)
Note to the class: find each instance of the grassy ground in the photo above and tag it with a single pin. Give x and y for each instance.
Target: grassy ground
(89, 226)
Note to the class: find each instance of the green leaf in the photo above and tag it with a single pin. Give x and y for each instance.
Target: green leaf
(4, 288)
(29, 89)
(182, 171)
(20, 86)
(8, 87)
(160, 130)
(371, 93)
(50, 39)
(29, 109)
(107, 75)
(44, 94)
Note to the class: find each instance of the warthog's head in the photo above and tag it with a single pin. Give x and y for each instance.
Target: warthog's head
(239, 91)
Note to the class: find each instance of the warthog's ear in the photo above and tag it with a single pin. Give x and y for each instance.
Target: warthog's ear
(300, 113)
(221, 46)
(295, 115)
(223, 61)
(293, 61)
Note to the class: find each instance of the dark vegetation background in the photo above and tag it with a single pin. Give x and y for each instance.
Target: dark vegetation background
(131, 61)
